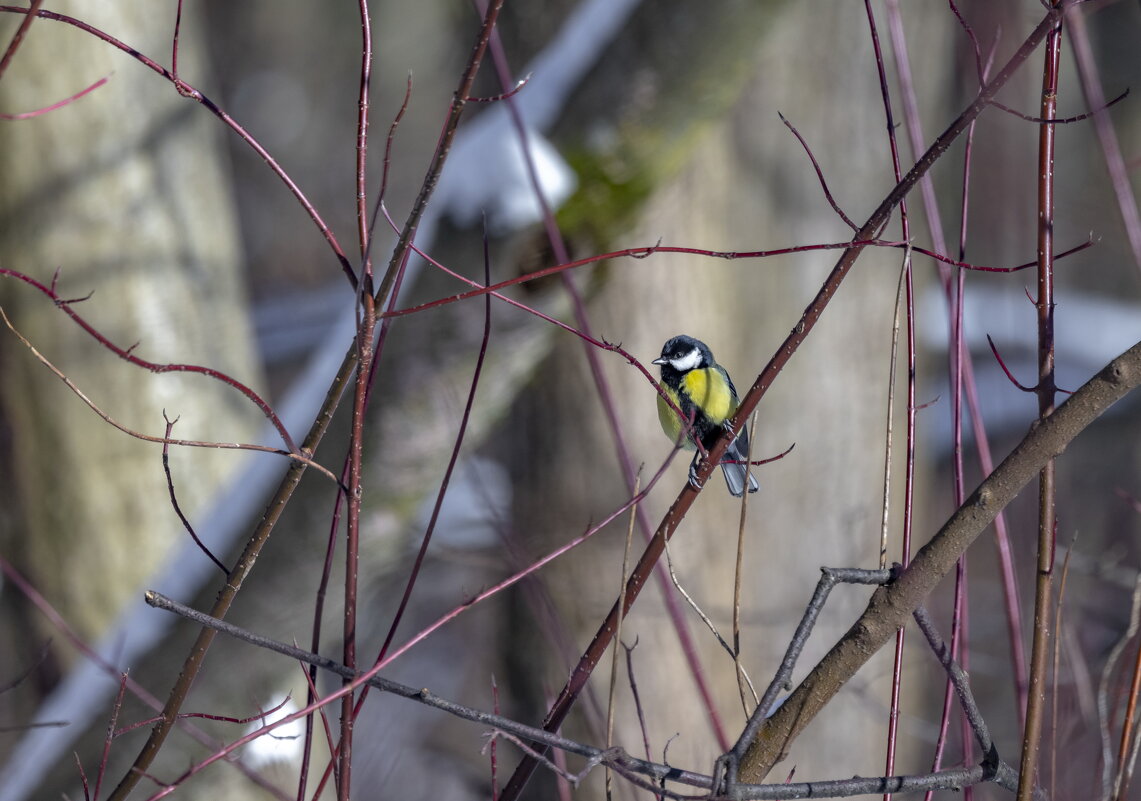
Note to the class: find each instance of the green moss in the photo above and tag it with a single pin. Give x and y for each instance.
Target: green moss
(605, 202)
(613, 185)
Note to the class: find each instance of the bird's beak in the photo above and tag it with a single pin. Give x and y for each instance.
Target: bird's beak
(659, 360)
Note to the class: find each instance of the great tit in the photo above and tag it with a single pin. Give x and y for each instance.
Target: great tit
(703, 391)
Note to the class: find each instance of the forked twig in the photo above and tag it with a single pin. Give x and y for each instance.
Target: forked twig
(830, 577)
(709, 624)
(959, 680)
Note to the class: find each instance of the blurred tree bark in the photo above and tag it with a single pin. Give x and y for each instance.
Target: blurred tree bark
(126, 193)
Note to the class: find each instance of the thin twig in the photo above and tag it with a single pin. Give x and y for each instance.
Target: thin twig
(645, 251)
(704, 618)
(116, 708)
(1129, 761)
(39, 112)
(909, 436)
(629, 649)
(174, 498)
(1056, 658)
(893, 361)
(613, 684)
(1103, 126)
(819, 174)
(1062, 120)
(1104, 722)
(743, 679)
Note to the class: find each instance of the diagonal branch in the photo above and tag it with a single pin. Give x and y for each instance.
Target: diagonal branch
(890, 606)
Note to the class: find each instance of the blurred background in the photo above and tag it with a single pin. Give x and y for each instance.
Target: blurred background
(646, 124)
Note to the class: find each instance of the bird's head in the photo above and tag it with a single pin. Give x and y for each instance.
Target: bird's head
(683, 353)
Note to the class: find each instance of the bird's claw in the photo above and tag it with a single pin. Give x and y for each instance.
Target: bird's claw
(694, 481)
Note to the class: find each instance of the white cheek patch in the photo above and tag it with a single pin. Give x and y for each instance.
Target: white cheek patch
(687, 362)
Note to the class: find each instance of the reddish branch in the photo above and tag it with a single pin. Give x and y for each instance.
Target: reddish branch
(127, 354)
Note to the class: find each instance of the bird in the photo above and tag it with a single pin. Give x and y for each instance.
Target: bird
(703, 391)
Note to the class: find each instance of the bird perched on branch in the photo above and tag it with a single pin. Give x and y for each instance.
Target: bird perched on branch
(705, 394)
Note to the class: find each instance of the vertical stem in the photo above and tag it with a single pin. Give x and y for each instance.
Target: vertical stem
(362, 136)
(365, 339)
(909, 443)
(1035, 703)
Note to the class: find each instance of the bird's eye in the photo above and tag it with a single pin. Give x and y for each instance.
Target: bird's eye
(687, 361)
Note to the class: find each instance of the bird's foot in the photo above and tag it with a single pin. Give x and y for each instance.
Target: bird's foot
(693, 479)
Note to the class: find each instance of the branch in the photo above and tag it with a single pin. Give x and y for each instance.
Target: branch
(614, 758)
(890, 606)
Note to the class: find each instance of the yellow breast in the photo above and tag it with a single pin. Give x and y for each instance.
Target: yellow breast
(710, 391)
(671, 423)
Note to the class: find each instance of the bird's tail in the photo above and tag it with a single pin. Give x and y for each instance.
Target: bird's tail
(734, 465)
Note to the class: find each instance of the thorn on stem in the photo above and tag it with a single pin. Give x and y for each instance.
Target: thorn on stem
(1002, 364)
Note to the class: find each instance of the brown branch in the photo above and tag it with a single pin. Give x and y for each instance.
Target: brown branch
(890, 606)
(1046, 390)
